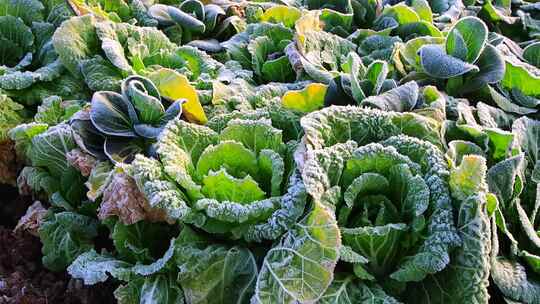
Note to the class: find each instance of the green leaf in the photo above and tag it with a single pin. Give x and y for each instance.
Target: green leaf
(100, 75)
(402, 13)
(109, 114)
(92, 267)
(527, 136)
(145, 99)
(230, 155)
(469, 34)
(75, 40)
(410, 51)
(255, 135)
(180, 147)
(272, 169)
(466, 279)
(28, 10)
(167, 15)
(216, 273)
(376, 74)
(385, 238)
(508, 105)
(65, 236)
(505, 179)
(400, 99)
(532, 54)
(260, 48)
(512, 279)
(160, 192)
(278, 70)
(522, 76)
(347, 290)
(17, 39)
(224, 187)
(160, 288)
(140, 242)
(364, 184)
(437, 64)
(48, 149)
(300, 267)
(423, 9)
(491, 66)
(326, 54)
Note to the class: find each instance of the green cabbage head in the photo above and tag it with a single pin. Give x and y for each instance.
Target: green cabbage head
(386, 177)
(236, 178)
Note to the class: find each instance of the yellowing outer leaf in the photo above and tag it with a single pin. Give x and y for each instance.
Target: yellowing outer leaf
(308, 22)
(469, 177)
(282, 13)
(174, 85)
(311, 98)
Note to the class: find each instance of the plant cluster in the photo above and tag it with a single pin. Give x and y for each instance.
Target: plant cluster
(303, 151)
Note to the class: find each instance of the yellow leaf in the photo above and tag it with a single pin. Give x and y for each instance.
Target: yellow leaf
(311, 98)
(282, 13)
(309, 22)
(174, 85)
(469, 177)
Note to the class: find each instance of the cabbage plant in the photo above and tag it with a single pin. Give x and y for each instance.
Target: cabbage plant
(465, 60)
(234, 180)
(195, 23)
(29, 66)
(393, 194)
(262, 49)
(517, 93)
(516, 184)
(125, 124)
(238, 180)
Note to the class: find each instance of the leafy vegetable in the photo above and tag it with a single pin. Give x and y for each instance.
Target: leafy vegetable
(351, 151)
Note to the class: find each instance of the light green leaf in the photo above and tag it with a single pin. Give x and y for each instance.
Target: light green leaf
(473, 34)
(469, 177)
(75, 40)
(230, 155)
(281, 14)
(255, 135)
(224, 187)
(300, 267)
(522, 76)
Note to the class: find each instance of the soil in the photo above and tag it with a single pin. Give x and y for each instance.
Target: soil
(23, 279)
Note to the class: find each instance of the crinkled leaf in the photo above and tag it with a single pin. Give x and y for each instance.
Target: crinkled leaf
(300, 267)
(65, 236)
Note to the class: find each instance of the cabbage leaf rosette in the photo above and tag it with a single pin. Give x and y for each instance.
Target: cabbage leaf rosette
(390, 186)
(236, 179)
